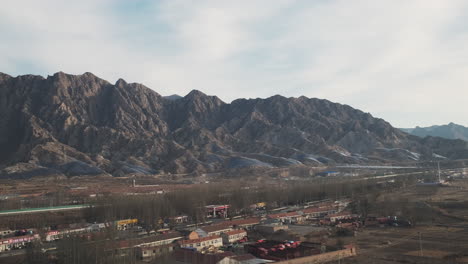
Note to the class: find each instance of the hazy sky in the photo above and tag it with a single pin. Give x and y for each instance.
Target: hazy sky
(401, 60)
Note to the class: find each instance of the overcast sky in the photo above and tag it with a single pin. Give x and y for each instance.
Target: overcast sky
(401, 60)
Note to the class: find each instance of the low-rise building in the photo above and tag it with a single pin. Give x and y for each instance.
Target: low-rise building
(18, 242)
(233, 236)
(247, 223)
(148, 253)
(339, 216)
(59, 234)
(159, 240)
(288, 218)
(200, 243)
(213, 230)
(179, 219)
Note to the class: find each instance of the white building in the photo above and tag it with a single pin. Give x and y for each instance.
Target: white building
(213, 230)
(201, 243)
(233, 236)
(19, 242)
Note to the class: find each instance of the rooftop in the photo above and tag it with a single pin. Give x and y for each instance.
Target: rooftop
(283, 215)
(240, 222)
(215, 228)
(316, 210)
(193, 241)
(344, 213)
(161, 237)
(159, 246)
(235, 232)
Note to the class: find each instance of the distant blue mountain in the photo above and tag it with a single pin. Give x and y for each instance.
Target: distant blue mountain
(173, 97)
(450, 131)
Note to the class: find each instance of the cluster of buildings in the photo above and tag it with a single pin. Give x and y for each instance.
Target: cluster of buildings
(330, 213)
(209, 238)
(297, 252)
(210, 243)
(16, 242)
(18, 239)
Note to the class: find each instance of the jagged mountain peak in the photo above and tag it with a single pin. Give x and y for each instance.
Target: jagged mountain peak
(128, 128)
(62, 76)
(120, 82)
(195, 95)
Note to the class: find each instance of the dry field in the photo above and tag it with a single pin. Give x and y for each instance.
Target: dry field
(443, 239)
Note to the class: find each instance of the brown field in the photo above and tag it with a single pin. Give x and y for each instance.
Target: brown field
(444, 238)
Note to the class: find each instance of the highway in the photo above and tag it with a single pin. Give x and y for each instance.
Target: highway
(44, 209)
(404, 174)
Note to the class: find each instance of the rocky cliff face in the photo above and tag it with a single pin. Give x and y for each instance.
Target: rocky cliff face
(81, 124)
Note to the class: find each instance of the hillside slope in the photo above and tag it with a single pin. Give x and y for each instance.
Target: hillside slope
(81, 124)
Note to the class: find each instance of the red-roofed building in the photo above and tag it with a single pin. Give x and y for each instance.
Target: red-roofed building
(288, 218)
(201, 243)
(247, 223)
(213, 230)
(17, 242)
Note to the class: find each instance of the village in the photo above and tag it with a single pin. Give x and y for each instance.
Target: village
(307, 231)
(221, 240)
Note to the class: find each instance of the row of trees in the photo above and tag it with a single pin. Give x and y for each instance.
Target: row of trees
(150, 208)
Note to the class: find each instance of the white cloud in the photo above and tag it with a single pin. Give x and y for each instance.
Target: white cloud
(404, 61)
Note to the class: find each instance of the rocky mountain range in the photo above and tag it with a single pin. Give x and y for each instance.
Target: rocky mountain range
(450, 131)
(81, 124)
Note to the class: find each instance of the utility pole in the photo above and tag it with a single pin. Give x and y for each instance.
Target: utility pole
(420, 245)
(438, 169)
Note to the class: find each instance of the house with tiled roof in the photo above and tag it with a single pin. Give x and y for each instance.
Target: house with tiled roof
(287, 218)
(200, 243)
(162, 239)
(147, 253)
(233, 236)
(213, 230)
(341, 215)
(247, 223)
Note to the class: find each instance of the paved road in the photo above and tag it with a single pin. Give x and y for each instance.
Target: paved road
(404, 174)
(44, 209)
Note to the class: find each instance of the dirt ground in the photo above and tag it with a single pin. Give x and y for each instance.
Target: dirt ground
(444, 239)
